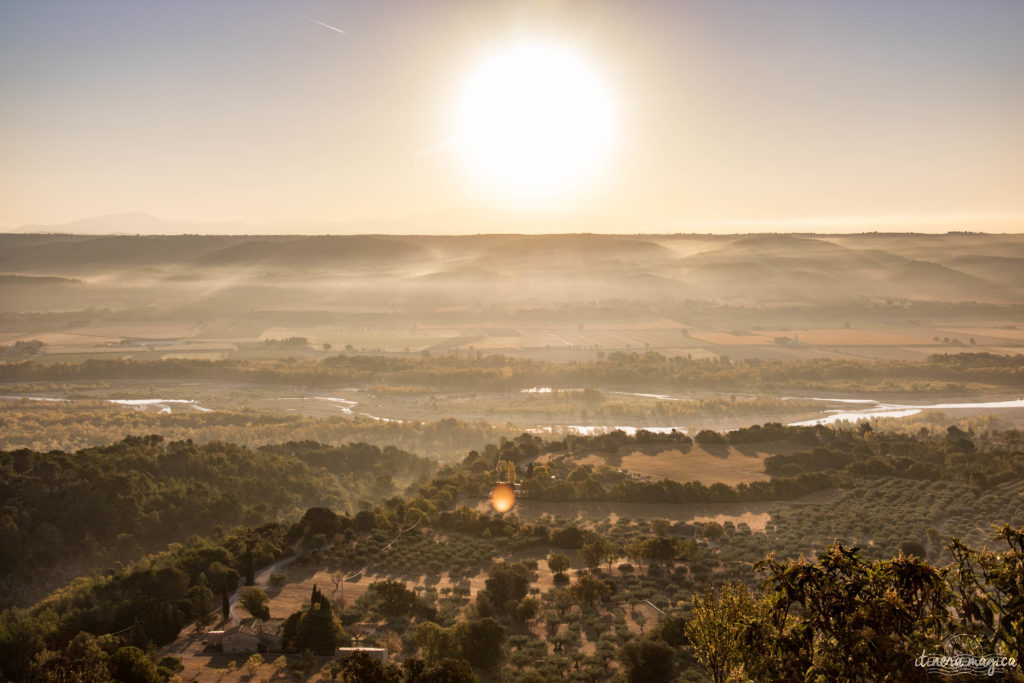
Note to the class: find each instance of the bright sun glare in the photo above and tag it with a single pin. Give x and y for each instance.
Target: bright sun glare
(533, 121)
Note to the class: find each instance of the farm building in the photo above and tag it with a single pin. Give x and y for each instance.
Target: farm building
(251, 635)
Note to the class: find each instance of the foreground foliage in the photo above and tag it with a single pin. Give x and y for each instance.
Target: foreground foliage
(645, 600)
(841, 618)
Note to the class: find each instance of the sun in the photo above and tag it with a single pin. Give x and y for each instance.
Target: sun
(533, 121)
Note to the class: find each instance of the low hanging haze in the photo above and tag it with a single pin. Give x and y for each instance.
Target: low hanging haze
(460, 116)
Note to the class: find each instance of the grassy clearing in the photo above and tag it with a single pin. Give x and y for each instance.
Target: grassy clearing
(730, 339)
(729, 466)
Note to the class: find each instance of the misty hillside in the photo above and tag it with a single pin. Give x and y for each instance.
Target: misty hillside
(304, 252)
(547, 269)
(554, 296)
(573, 251)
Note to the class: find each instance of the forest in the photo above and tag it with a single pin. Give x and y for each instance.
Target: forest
(559, 599)
(121, 501)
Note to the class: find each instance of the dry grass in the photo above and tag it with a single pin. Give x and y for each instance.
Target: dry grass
(70, 338)
(848, 337)
(207, 667)
(757, 521)
(168, 331)
(78, 349)
(730, 339)
(728, 465)
(964, 333)
(295, 593)
(556, 340)
(492, 343)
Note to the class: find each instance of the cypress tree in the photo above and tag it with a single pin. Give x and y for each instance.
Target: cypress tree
(250, 569)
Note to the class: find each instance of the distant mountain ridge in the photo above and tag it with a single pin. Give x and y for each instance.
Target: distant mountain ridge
(455, 221)
(417, 272)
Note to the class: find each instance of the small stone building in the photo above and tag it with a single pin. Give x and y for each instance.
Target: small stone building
(251, 635)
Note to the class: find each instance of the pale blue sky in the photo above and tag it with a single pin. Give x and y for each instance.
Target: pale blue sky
(759, 114)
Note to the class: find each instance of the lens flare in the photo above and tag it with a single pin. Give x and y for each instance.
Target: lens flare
(503, 497)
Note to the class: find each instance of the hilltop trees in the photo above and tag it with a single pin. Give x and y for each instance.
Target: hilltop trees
(201, 599)
(137, 495)
(391, 599)
(648, 660)
(558, 563)
(659, 552)
(477, 641)
(360, 667)
(598, 551)
(448, 671)
(132, 664)
(315, 627)
(480, 641)
(507, 583)
(436, 642)
(254, 601)
(589, 589)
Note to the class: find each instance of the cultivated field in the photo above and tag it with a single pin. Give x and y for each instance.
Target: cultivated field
(203, 665)
(583, 342)
(726, 464)
(729, 466)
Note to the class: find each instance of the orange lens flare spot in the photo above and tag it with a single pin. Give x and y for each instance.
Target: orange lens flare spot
(503, 497)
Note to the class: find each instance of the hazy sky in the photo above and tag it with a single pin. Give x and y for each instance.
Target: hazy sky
(728, 115)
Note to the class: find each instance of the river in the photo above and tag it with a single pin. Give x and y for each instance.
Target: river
(834, 409)
(877, 409)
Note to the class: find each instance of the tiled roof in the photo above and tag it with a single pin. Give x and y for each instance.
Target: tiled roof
(270, 627)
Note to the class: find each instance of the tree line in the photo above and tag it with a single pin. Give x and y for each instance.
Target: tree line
(71, 425)
(497, 372)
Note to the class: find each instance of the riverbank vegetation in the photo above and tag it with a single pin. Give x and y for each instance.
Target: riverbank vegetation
(653, 371)
(71, 425)
(587, 406)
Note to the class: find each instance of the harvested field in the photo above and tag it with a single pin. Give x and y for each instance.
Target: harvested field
(995, 332)
(846, 337)
(726, 464)
(729, 467)
(731, 339)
